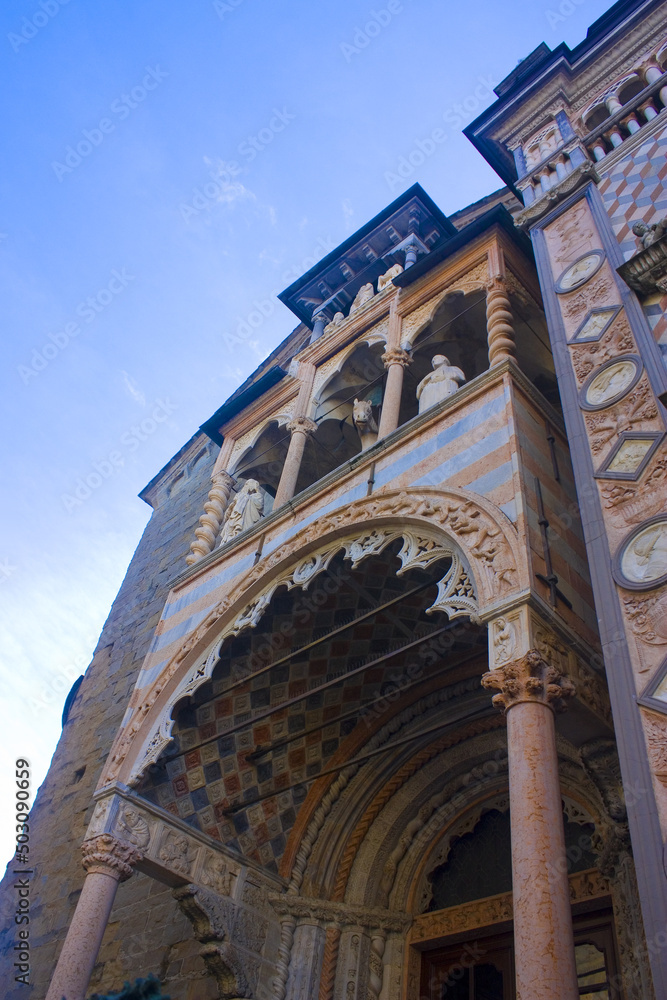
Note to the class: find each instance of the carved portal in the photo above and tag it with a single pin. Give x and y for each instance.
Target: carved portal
(452, 521)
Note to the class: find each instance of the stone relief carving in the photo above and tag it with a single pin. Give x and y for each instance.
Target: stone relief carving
(216, 875)
(133, 827)
(178, 853)
(364, 422)
(456, 593)
(642, 559)
(570, 235)
(587, 297)
(620, 342)
(637, 406)
(611, 382)
(632, 504)
(108, 855)
(504, 640)
(488, 542)
(648, 618)
(655, 728)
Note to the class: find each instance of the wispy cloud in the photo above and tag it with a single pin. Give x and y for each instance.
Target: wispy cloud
(133, 390)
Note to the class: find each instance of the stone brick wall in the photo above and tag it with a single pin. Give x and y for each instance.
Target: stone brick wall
(147, 932)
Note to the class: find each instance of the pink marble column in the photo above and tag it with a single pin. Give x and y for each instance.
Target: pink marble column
(530, 691)
(395, 361)
(299, 428)
(107, 861)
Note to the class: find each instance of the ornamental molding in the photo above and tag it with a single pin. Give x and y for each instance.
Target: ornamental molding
(487, 569)
(339, 914)
(589, 884)
(637, 407)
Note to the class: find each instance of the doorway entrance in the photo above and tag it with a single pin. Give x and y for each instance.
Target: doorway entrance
(483, 968)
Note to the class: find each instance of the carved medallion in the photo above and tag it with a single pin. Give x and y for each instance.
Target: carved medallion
(579, 272)
(641, 561)
(610, 382)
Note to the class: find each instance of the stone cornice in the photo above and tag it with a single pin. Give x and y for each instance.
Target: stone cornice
(340, 914)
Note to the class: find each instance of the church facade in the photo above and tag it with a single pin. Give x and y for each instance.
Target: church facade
(380, 710)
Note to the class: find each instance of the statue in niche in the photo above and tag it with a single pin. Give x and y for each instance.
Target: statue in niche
(364, 295)
(438, 384)
(244, 511)
(648, 235)
(364, 421)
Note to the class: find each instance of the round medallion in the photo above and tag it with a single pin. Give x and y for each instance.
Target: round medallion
(577, 274)
(641, 561)
(610, 382)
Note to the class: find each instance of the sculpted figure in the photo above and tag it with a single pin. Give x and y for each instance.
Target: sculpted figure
(648, 235)
(364, 421)
(438, 384)
(245, 510)
(336, 321)
(364, 295)
(385, 279)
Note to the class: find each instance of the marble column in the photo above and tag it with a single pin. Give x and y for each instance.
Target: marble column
(395, 361)
(107, 861)
(530, 691)
(208, 529)
(299, 428)
(500, 331)
(319, 322)
(306, 962)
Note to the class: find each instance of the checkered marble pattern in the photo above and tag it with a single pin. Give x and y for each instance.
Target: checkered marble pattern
(636, 189)
(198, 784)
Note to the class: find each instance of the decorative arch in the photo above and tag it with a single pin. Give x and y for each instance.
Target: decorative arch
(416, 322)
(488, 572)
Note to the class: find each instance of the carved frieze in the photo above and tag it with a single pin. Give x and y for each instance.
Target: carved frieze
(496, 909)
(637, 406)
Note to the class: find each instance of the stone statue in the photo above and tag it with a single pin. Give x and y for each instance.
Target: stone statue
(364, 421)
(385, 279)
(438, 384)
(364, 295)
(245, 510)
(648, 235)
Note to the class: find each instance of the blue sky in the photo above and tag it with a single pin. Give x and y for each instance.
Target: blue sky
(169, 167)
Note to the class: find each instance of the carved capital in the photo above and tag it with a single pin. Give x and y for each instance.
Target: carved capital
(303, 424)
(529, 679)
(396, 356)
(107, 855)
